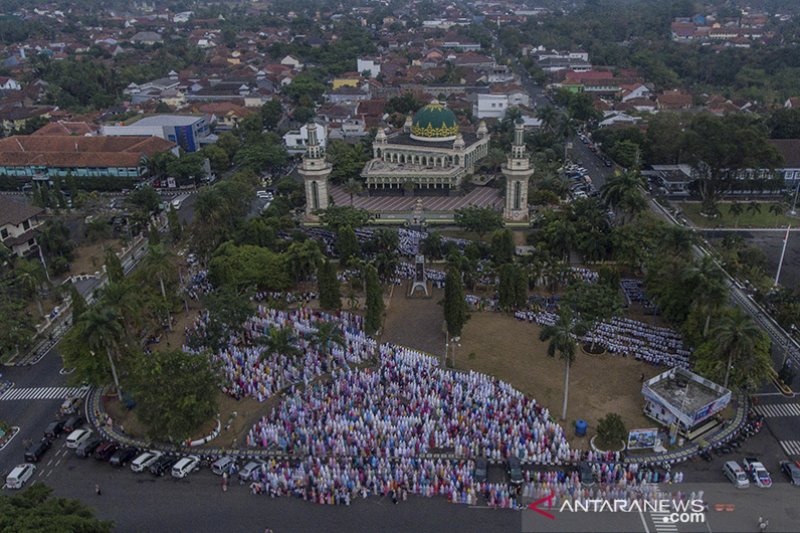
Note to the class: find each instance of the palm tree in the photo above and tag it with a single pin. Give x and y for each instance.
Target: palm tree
(101, 328)
(777, 209)
(754, 207)
(560, 236)
(735, 336)
(735, 210)
(562, 336)
(304, 258)
(708, 287)
(352, 187)
(280, 341)
(327, 335)
(549, 117)
(31, 276)
(125, 299)
(623, 191)
(158, 263)
(676, 240)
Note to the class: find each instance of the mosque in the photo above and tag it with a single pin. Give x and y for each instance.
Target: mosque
(428, 158)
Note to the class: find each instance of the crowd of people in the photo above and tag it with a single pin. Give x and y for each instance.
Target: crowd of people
(627, 337)
(634, 292)
(410, 407)
(252, 369)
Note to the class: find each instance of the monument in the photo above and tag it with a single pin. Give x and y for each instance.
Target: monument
(517, 169)
(315, 170)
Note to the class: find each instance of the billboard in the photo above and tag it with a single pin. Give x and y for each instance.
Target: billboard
(642, 438)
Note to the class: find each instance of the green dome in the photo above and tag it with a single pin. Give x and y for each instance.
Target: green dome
(434, 122)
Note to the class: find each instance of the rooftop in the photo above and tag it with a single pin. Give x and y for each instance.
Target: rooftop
(685, 390)
(168, 120)
(15, 212)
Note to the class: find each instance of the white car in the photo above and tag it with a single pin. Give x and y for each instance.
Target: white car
(263, 194)
(758, 472)
(20, 475)
(185, 466)
(246, 473)
(78, 437)
(143, 462)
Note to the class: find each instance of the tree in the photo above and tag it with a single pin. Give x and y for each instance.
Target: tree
(347, 244)
(271, 113)
(247, 266)
(78, 303)
(158, 264)
(777, 209)
(19, 328)
(611, 430)
(561, 337)
(455, 305)
(175, 228)
(754, 208)
(502, 247)
(374, 316)
(352, 187)
(559, 236)
(217, 157)
(735, 209)
(280, 341)
(708, 288)
(348, 161)
(431, 246)
(336, 217)
(303, 258)
(113, 266)
(592, 302)
(735, 337)
(784, 123)
(97, 333)
(228, 309)
(479, 220)
(328, 287)
(35, 510)
(327, 335)
(623, 191)
(144, 199)
(31, 276)
(513, 289)
(175, 392)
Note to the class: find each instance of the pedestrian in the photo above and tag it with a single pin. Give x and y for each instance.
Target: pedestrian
(97, 489)
(641, 378)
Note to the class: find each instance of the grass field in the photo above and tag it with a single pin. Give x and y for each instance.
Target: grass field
(747, 219)
(499, 345)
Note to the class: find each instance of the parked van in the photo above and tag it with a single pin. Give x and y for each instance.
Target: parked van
(186, 465)
(178, 201)
(21, 473)
(736, 474)
(143, 462)
(78, 437)
(222, 465)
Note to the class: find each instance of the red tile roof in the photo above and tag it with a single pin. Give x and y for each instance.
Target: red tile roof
(78, 152)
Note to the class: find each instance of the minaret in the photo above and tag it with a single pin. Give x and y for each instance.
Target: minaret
(315, 171)
(517, 170)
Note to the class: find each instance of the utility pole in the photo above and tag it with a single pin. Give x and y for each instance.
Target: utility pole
(783, 253)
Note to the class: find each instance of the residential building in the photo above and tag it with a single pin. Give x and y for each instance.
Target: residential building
(152, 90)
(18, 223)
(50, 156)
(190, 132)
(296, 140)
(9, 84)
(368, 65)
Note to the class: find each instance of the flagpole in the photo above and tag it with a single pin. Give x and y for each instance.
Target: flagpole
(783, 253)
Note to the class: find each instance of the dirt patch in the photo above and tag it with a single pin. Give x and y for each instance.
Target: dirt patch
(415, 322)
(90, 257)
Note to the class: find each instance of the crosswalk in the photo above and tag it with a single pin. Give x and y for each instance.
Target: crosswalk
(44, 393)
(791, 447)
(778, 409)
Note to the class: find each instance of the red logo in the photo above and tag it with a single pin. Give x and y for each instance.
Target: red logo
(535, 506)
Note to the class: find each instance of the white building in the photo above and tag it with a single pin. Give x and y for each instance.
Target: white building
(370, 65)
(296, 140)
(18, 223)
(495, 105)
(190, 132)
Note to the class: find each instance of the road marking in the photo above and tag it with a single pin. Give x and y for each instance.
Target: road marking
(791, 447)
(44, 393)
(775, 410)
(644, 522)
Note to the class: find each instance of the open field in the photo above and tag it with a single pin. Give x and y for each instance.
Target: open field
(747, 219)
(504, 347)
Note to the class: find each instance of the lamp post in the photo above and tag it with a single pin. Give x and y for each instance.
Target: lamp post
(456, 342)
(794, 203)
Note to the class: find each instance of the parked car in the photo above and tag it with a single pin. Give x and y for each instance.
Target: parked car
(106, 450)
(735, 474)
(246, 473)
(185, 466)
(87, 448)
(35, 452)
(162, 465)
(70, 406)
(54, 429)
(74, 422)
(481, 470)
(20, 474)
(514, 470)
(122, 456)
(222, 465)
(78, 437)
(144, 461)
(792, 472)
